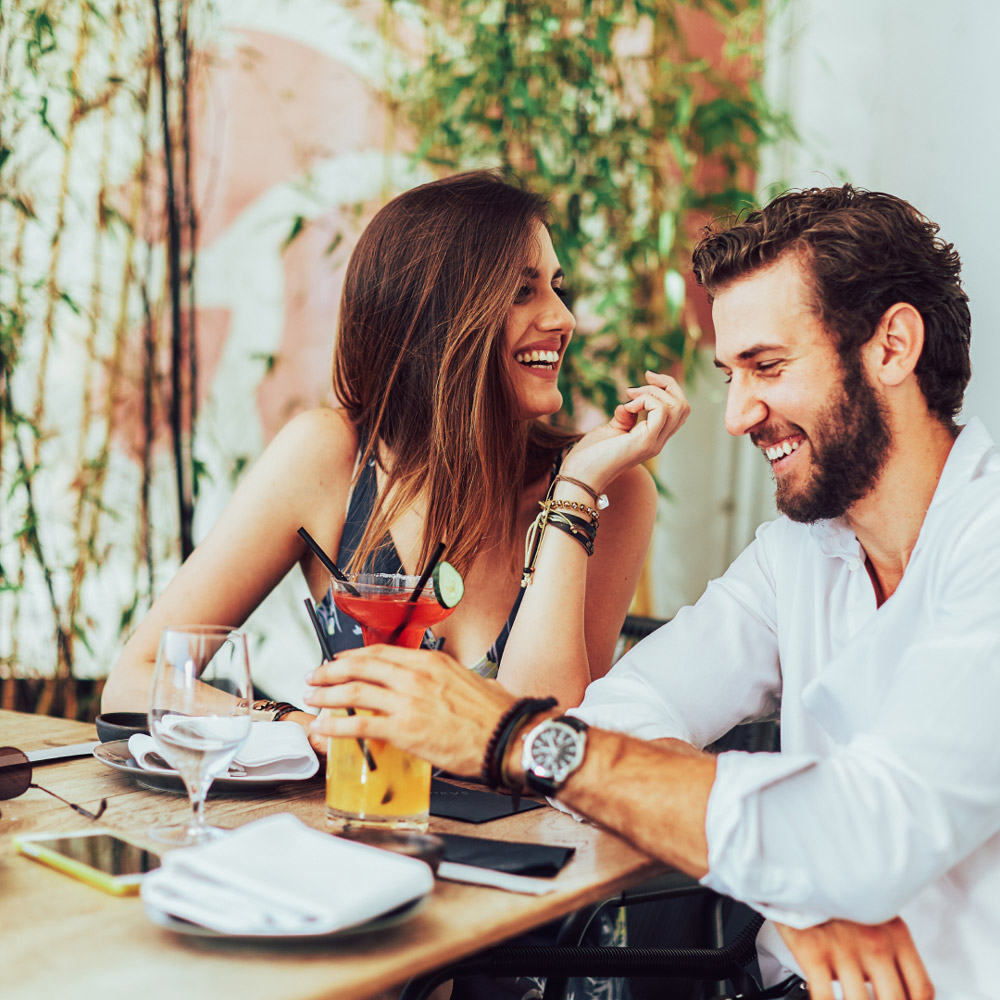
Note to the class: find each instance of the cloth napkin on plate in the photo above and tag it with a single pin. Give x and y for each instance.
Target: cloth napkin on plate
(277, 876)
(273, 750)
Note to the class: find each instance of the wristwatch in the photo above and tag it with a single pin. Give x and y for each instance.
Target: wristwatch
(266, 710)
(552, 751)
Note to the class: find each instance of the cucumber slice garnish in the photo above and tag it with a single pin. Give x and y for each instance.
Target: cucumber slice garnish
(448, 584)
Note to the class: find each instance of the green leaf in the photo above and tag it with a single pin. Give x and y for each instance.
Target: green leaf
(668, 229)
(298, 224)
(270, 359)
(675, 291)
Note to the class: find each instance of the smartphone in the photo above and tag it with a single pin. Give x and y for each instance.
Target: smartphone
(99, 858)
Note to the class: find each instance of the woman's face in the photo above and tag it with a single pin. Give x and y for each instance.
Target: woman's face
(538, 329)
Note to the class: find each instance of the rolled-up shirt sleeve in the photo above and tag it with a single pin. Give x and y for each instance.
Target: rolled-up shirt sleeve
(692, 679)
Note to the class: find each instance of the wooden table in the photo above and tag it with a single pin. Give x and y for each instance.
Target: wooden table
(61, 938)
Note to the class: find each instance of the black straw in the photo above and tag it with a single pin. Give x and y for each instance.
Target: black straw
(328, 562)
(328, 655)
(426, 575)
(417, 591)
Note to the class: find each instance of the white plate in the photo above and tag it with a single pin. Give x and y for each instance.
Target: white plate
(387, 920)
(116, 754)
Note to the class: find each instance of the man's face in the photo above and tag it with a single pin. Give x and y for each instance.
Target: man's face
(819, 422)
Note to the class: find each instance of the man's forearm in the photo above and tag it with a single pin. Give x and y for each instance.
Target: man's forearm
(653, 794)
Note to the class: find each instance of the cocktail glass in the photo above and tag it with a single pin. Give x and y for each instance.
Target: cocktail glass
(395, 794)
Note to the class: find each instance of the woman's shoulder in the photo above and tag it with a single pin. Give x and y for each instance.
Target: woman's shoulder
(633, 487)
(312, 457)
(324, 434)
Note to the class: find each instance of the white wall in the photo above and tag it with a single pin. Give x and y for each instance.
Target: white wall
(902, 96)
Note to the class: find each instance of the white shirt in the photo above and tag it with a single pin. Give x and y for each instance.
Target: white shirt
(885, 798)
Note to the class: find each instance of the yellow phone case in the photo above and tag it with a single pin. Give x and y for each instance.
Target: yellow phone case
(38, 850)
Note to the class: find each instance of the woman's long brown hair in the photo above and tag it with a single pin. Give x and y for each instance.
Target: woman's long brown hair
(420, 362)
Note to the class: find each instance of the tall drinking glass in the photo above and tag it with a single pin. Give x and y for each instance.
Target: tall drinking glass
(396, 792)
(199, 714)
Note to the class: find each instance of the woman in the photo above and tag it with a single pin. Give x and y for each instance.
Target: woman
(451, 334)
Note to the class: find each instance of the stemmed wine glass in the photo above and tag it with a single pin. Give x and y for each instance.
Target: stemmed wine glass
(199, 714)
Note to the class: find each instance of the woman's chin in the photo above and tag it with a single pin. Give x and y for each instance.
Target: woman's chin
(542, 406)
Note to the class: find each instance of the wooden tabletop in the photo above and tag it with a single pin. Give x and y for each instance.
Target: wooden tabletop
(62, 938)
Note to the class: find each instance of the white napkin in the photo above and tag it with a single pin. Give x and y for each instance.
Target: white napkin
(279, 876)
(527, 884)
(273, 750)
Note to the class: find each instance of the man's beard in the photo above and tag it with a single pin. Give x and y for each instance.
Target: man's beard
(849, 446)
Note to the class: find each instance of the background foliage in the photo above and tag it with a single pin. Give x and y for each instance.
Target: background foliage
(639, 120)
(90, 306)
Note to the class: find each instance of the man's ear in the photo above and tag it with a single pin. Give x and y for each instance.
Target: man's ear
(894, 349)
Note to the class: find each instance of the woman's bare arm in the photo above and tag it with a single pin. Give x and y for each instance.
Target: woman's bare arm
(302, 478)
(566, 629)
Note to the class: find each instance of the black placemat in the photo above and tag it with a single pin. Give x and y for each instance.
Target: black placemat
(454, 802)
(513, 857)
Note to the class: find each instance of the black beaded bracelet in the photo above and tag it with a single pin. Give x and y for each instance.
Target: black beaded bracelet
(496, 746)
(282, 709)
(576, 527)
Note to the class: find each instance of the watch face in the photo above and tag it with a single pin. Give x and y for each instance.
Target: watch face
(555, 750)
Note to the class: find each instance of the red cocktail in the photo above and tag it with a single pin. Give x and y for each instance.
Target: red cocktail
(396, 792)
(387, 614)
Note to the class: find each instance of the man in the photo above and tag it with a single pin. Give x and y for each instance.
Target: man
(868, 613)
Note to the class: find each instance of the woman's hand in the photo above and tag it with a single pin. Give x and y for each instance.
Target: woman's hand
(883, 955)
(625, 441)
(424, 702)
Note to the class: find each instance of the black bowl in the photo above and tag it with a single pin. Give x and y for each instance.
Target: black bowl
(121, 725)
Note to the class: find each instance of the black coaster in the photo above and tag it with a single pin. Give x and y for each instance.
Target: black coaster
(453, 802)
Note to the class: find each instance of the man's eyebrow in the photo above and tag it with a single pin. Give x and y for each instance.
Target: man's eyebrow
(750, 353)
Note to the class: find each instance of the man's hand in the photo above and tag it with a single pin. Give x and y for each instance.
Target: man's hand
(853, 954)
(424, 702)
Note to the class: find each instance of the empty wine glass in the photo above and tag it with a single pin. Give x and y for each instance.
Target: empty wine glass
(199, 714)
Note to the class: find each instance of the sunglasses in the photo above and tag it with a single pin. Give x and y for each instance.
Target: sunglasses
(15, 780)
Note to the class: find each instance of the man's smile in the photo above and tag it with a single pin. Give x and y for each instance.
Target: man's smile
(780, 449)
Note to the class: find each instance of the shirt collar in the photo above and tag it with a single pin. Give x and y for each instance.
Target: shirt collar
(836, 539)
(965, 460)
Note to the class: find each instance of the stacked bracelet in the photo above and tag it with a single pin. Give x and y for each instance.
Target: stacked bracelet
(505, 728)
(600, 499)
(578, 528)
(585, 532)
(584, 508)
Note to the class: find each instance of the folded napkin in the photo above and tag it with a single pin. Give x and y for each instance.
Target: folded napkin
(277, 876)
(454, 802)
(274, 750)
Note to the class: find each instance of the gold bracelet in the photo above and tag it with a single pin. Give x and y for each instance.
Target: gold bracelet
(570, 505)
